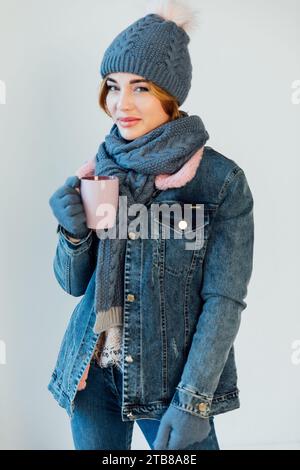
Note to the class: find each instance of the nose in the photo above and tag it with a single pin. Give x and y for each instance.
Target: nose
(124, 100)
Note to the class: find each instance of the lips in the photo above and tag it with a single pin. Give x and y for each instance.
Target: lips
(128, 119)
(128, 122)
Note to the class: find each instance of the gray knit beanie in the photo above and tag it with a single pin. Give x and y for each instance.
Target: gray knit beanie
(156, 48)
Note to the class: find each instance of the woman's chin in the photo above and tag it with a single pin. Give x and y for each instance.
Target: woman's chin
(130, 134)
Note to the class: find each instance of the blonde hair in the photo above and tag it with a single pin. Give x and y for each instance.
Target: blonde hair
(169, 103)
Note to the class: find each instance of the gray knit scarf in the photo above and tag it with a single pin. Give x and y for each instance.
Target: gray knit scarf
(136, 163)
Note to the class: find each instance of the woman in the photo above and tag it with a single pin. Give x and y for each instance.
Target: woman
(152, 338)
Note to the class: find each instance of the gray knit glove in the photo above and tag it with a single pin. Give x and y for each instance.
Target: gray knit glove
(67, 207)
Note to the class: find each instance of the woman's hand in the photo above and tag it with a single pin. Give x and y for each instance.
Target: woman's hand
(67, 207)
(82, 383)
(179, 429)
(87, 169)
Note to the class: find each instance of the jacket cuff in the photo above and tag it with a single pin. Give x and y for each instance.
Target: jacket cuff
(62, 232)
(192, 402)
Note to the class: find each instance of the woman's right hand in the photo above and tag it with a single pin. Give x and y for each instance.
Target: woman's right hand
(82, 383)
(67, 207)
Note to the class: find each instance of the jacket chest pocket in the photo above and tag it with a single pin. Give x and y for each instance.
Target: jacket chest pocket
(179, 232)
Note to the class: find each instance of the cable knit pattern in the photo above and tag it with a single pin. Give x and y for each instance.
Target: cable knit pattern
(183, 176)
(109, 347)
(136, 163)
(156, 49)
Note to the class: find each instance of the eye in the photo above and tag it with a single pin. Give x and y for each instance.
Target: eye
(142, 88)
(109, 87)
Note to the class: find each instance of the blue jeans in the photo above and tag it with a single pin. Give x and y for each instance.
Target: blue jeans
(96, 423)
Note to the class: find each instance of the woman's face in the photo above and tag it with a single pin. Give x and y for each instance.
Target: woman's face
(129, 96)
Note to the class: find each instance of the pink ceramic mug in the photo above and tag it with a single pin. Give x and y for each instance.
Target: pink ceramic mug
(100, 198)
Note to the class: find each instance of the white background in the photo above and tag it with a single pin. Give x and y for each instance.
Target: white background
(245, 58)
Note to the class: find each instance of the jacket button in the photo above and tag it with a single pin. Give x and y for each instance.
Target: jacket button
(130, 298)
(202, 406)
(128, 359)
(132, 235)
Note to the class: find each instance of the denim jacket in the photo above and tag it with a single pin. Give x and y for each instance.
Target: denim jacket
(182, 307)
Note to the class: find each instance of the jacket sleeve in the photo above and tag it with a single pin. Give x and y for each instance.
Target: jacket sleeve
(227, 268)
(74, 263)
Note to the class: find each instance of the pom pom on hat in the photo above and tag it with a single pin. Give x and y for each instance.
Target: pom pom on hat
(174, 10)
